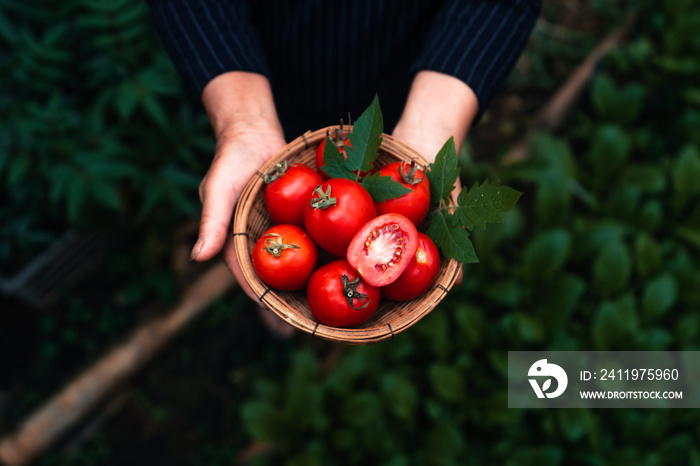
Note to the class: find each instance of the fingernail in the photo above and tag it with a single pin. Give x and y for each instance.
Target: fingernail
(197, 248)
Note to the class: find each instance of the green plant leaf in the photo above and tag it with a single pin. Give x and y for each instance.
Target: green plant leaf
(401, 395)
(647, 255)
(447, 382)
(361, 409)
(646, 177)
(685, 175)
(365, 139)
(443, 172)
(659, 296)
(107, 194)
(382, 188)
(603, 93)
(616, 325)
(529, 328)
(557, 303)
(609, 149)
(546, 254)
(75, 197)
(262, 421)
(334, 162)
(451, 239)
(630, 100)
(484, 204)
(611, 268)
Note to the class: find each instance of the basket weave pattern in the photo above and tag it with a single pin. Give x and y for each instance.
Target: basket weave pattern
(251, 220)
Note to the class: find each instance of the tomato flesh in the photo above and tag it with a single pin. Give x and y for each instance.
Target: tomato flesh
(327, 295)
(382, 249)
(419, 275)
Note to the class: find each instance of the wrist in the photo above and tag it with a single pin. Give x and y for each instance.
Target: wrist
(438, 107)
(239, 103)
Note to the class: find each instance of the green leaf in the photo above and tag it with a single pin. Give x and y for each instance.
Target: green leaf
(688, 234)
(443, 173)
(659, 296)
(646, 177)
(553, 201)
(108, 195)
(365, 139)
(451, 239)
(530, 329)
(558, 302)
(76, 198)
(651, 216)
(611, 268)
(262, 421)
(446, 381)
(361, 409)
(609, 149)
(647, 255)
(687, 328)
(685, 176)
(603, 93)
(334, 162)
(615, 324)
(546, 254)
(401, 395)
(484, 204)
(382, 188)
(629, 103)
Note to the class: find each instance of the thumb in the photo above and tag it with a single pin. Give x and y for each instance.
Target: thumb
(217, 208)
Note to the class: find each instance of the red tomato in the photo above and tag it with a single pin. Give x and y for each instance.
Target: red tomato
(340, 141)
(338, 297)
(285, 257)
(335, 211)
(382, 249)
(419, 275)
(288, 188)
(413, 205)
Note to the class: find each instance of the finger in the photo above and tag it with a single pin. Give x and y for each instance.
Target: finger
(460, 275)
(218, 202)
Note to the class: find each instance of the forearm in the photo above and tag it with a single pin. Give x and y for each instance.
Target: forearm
(438, 107)
(240, 102)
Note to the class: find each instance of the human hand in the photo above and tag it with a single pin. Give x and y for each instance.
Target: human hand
(248, 134)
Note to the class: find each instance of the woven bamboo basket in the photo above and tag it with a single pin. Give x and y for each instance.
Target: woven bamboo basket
(251, 220)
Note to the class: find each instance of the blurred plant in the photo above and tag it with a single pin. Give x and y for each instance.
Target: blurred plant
(96, 125)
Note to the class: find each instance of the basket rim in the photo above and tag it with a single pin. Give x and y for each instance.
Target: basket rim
(275, 301)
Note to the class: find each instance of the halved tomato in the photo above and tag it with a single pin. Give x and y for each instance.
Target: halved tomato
(382, 248)
(419, 275)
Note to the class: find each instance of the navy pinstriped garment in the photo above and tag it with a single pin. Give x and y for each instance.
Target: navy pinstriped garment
(326, 59)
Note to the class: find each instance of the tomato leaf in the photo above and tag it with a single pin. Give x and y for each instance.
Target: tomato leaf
(451, 238)
(484, 204)
(443, 173)
(334, 162)
(382, 188)
(365, 139)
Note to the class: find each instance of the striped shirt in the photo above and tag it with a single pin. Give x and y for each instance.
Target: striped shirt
(328, 59)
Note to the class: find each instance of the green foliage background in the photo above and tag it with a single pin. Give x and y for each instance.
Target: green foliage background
(601, 253)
